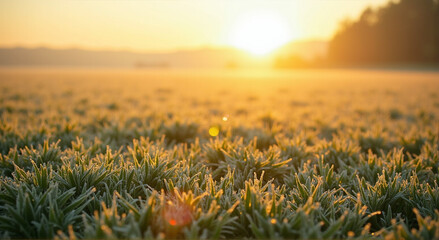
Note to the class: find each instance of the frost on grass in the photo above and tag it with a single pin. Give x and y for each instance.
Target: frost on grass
(137, 160)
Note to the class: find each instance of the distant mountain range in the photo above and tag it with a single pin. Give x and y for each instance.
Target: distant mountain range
(308, 50)
(203, 58)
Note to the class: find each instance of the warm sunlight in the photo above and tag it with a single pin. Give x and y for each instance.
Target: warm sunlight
(232, 119)
(260, 33)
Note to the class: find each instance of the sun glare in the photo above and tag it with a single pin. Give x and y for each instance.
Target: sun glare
(260, 33)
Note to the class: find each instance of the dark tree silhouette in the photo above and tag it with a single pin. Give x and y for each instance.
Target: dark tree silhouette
(401, 32)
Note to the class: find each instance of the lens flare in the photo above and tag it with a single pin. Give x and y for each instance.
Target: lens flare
(172, 222)
(214, 131)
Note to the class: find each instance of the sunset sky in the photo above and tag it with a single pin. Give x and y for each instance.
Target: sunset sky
(150, 25)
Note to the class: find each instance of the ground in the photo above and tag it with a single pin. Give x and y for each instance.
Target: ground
(218, 153)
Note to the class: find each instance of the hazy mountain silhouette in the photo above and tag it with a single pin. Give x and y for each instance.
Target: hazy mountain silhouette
(89, 58)
(308, 50)
(208, 57)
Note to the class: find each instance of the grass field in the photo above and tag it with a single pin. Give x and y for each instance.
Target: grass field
(219, 154)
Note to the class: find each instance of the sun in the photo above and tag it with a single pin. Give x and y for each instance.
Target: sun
(260, 33)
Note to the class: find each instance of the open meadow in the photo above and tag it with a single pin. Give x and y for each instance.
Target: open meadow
(219, 154)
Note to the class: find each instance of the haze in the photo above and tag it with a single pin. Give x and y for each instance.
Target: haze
(159, 26)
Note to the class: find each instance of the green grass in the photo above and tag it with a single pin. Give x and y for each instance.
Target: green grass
(332, 154)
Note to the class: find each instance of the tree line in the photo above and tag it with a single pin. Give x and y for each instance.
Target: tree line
(404, 32)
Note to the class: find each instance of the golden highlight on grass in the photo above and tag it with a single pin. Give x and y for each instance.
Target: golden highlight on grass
(303, 155)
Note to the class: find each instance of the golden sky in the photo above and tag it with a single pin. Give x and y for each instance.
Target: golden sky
(166, 25)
